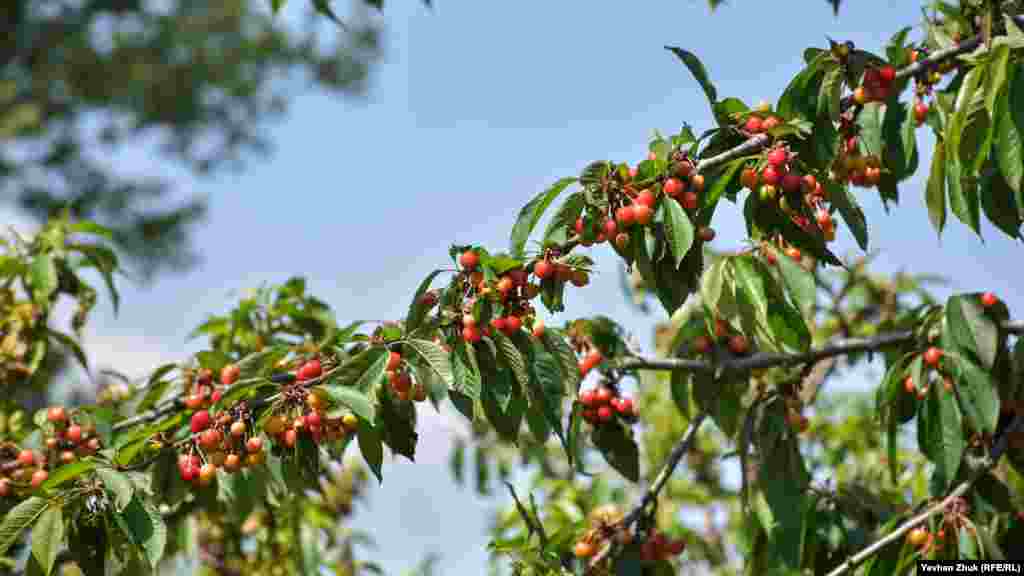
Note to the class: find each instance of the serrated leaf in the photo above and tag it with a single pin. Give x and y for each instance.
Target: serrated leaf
(556, 344)
(417, 309)
(465, 370)
(18, 519)
(47, 538)
(971, 330)
(372, 448)
(939, 434)
(852, 213)
(799, 282)
(977, 395)
(829, 96)
(935, 191)
(678, 228)
(145, 525)
(435, 357)
(1010, 149)
(869, 137)
(67, 472)
(531, 214)
(119, 485)
(513, 359)
(699, 72)
(619, 450)
(352, 399)
(42, 276)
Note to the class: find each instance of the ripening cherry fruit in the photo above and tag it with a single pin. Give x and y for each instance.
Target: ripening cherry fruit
(579, 226)
(193, 401)
(738, 344)
(690, 200)
(887, 74)
(583, 549)
(988, 299)
(603, 395)
(917, 537)
(645, 198)
(588, 398)
(38, 477)
(652, 156)
(471, 333)
(771, 175)
(5, 487)
(200, 421)
(604, 413)
(538, 328)
(469, 259)
(702, 344)
(770, 123)
(908, 385)
(778, 157)
(932, 356)
(625, 407)
(721, 328)
(748, 178)
(290, 437)
(310, 370)
(26, 458)
(792, 183)
(505, 285)
(626, 215)
(74, 433)
(395, 359)
(642, 213)
(706, 234)
(767, 193)
(622, 241)
(543, 269)
(753, 125)
(920, 112)
(513, 324)
(684, 169)
(610, 228)
(56, 414)
(229, 374)
(794, 253)
(210, 439)
(672, 187)
(697, 183)
(254, 444)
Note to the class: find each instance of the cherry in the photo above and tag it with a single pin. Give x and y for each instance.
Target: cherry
(467, 320)
(5, 487)
(771, 175)
(622, 241)
(721, 328)
(794, 253)
(652, 156)
(471, 334)
(860, 95)
(51, 443)
(206, 474)
(753, 125)
(229, 374)
(193, 401)
(633, 172)
(56, 414)
(538, 328)
(988, 299)
(603, 395)
(254, 444)
(310, 370)
(706, 234)
(697, 183)
(917, 537)
(290, 437)
(513, 324)
(498, 324)
(690, 200)
(908, 385)
(205, 377)
(505, 285)
(770, 123)
(792, 183)
(469, 259)
(625, 407)
(920, 112)
(642, 213)
(932, 356)
(583, 549)
(777, 157)
(26, 458)
(738, 344)
(74, 433)
(200, 421)
(809, 183)
(588, 398)
(676, 547)
(701, 344)
(67, 457)
(610, 228)
(233, 462)
(518, 276)
(748, 178)
(604, 413)
(645, 198)
(402, 385)
(887, 74)
(684, 169)
(210, 438)
(216, 396)
(543, 269)
(767, 192)
(625, 215)
(579, 226)
(38, 477)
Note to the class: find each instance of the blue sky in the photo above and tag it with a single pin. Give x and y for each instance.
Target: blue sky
(477, 107)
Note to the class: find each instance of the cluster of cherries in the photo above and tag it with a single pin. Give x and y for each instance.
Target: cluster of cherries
(603, 403)
(401, 381)
(876, 85)
(202, 392)
(779, 182)
(606, 521)
(66, 441)
(737, 343)
(792, 252)
(514, 290)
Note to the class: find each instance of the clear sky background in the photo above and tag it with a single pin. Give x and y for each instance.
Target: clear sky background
(477, 107)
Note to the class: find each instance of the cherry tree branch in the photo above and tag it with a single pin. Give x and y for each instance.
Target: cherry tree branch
(651, 494)
(760, 360)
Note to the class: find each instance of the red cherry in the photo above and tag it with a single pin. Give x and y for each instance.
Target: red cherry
(794, 253)
(908, 385)
(706, 234)
(625, 407)
(38, 477)
(26, 458)
(200, 421)
(770, 123)
(56, 414)
(498, 324)
(771, 175)
(610, 228)
(777, 157)
(748, 178)
(809, 183)
(579, 226)
(587, 398)
(753, 125)
(469, 259)
(792, 183)
(738, 344)
(589, 415)
(932, 356)
(394, 360)
(676, 547)
(229, 374)
(690, 200)
(513, 324)
(518, 276)
(652, 156)
(604, 413)
(887, 74)
(74, 433)
(543, 269)
(471, 334)
(313, 418)
(5, 487)
(672, 187)
(193, 401)
(701, 344)
(643, 214)
(216, 396)
(621, 240)
(603, 395)
(988, 299)
(633, 172)
(210, 439)
(920, 112)
(625, 215)
(310, 370)
(646, 198)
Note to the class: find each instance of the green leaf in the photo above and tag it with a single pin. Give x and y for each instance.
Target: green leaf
(119, 485)
(1010, 148)
(971, 330)
(532, 212)
(435, 357)
(995, 79)
(276, 5)
(829, 96)
(368, 381)
(155, 387)
(372, 447)
(47, 538)
(67, 472)
(42, 276)
(939, 435)
(799, 282)
(557, 230)
(999, 203)
(722, 182)
(751, 282)
(977, 395)
(869, 138)
(547, 390)
(351, 399)
(698, 71)
(852, 213)
(105, 260)
(619, 449)
(935, 191)
(19, 518)
(465, 370)
(512, 358)
(557, 345)
(678, 228)
(145, 525)
(417, 309)
(712, 284)
(69, 343)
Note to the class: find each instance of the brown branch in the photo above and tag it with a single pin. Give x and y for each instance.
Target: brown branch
(651, 495)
